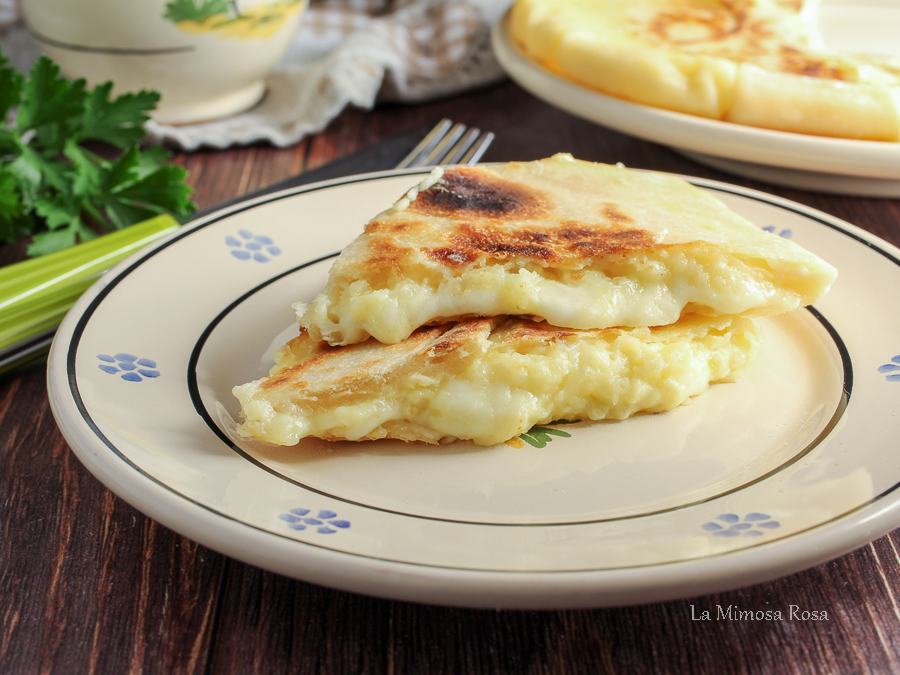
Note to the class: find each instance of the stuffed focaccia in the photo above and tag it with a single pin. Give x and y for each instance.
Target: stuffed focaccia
(488, 379)
(754, 62)
(577, 244)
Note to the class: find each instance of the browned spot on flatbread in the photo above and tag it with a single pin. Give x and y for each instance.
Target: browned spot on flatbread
(795, 62)
(691, 23)
(384, 226)
(551, 245)
(477, 193)
(525, 330)
(612, 213)
(294, 375)
(583, 242)
(727, 29)
(452, 257)
(462, 333)
(470, 243)
(333, 367)
(611, 241)
(285, 377)
(384, 253)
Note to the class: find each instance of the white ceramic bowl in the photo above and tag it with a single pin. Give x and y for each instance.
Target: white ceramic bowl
(208, 59)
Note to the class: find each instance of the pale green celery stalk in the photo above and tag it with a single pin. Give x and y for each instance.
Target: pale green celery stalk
(32, 317)
(35, 294)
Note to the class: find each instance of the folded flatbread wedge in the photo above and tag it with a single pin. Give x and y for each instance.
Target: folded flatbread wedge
(488, 379)
(755, 62)
(577, 244)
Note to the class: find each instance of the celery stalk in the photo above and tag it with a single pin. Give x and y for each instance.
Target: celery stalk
(35, 294)
(26, 319)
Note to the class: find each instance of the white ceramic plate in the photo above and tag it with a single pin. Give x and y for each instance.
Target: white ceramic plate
(866, 168)
(793, 465)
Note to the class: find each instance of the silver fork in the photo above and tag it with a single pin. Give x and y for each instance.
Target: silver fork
(449, 143)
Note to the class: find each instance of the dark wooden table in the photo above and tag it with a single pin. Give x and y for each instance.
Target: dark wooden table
(90, 585)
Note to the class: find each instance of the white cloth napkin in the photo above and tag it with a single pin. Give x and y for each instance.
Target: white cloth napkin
(346, 52)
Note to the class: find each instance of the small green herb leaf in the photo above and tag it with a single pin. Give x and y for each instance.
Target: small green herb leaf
(189, 10)
(540, 435)
(51, 105)
(119, 122)
(12, 210)
(10, 87)
(50, 242)
(56, 188)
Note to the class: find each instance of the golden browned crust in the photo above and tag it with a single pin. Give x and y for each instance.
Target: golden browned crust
(474, 201)
(540, 332)
(730, 30)
(685, 24)
(796, 62)
(305, 364)
(470, 192)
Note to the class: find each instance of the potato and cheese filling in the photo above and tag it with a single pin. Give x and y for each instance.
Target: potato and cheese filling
(488, 379)
(653, 291)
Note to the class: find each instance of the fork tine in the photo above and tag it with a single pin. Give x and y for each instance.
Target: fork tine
(448, 143)
(459, 150)
(474, 153)
(425, 146)
(439, 151)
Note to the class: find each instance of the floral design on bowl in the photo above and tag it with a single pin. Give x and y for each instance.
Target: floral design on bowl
(787, 234)
(224, 18)
(249, 246)
(324, 521)
(891, 369)
(128, 366)
(732, 525)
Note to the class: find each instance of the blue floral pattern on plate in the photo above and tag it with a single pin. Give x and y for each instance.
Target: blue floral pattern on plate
(249, 246)
(128, 366)
(787, 234)
(324, 521)
(732, 525)
(891, 370)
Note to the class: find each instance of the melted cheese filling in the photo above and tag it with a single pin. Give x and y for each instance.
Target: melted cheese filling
(499, 387)
(654, 293)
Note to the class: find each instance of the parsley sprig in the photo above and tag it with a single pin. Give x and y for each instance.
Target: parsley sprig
(189, 10)
(54, 184)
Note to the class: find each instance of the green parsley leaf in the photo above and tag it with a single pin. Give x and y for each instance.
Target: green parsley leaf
(119, 122)
(10, 88)
(50, 242)
(28, 169)
(160, 188)
(87, 173)
(12, 210)
(54, 184)
(188, 10)
(51, 105)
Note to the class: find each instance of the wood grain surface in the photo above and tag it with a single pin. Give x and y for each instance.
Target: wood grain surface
(90, 585)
